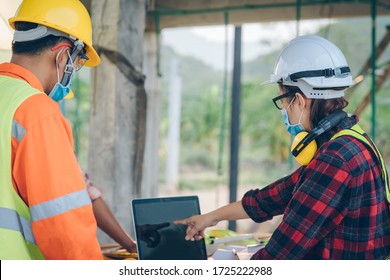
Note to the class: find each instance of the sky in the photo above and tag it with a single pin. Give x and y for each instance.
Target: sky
(252, 33)
(208, 43)
(7, 10)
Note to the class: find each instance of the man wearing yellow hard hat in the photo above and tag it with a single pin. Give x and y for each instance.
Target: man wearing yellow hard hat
(45, 210)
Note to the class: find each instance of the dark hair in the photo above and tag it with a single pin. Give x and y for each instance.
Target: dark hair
(35, 47)
(319, 108)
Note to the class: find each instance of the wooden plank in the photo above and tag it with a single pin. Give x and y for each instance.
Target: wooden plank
(367, 99)
(367, 66)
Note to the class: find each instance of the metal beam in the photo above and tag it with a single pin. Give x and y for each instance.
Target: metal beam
(235, 121)
(373, 68)
(172, 13)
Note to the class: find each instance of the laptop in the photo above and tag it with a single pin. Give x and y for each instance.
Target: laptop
(158, 238)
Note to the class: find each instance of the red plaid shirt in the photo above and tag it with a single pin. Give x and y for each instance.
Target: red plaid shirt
(334, 208)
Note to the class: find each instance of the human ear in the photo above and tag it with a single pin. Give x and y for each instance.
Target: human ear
(300, 100)
(62, 58)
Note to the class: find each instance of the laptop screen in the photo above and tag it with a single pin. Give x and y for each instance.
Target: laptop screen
(157, 237)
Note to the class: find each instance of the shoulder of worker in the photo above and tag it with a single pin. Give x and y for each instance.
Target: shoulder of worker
(37, 108)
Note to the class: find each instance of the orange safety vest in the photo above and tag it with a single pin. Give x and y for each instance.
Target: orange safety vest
(46, 175)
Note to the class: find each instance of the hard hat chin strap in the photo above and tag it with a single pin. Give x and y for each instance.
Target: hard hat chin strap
(38, 33)
(337, 72)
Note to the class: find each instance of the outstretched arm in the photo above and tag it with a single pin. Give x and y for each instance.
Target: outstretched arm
(107, 222)
(198, 223)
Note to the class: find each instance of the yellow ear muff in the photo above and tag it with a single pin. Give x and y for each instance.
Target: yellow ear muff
(307, 154)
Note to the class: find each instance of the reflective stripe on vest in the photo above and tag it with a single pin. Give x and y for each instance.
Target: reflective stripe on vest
(357, 132)
(59, 205)
(18, 131)
(10, 219)
(16, 236)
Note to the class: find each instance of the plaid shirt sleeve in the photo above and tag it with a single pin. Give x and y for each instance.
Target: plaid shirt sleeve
(312, 200)
(262, 205)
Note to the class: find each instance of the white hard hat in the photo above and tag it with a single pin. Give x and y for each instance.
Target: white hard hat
(315, 65)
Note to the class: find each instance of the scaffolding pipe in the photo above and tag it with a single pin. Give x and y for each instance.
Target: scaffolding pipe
(168, 11)
(298, 14)
(235, 121)
(373, 67)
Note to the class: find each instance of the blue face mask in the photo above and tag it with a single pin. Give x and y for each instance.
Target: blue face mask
(293, 129)
(59, 90)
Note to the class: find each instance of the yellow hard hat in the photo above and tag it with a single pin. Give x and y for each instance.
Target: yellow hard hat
(68, 16)
(70, 95)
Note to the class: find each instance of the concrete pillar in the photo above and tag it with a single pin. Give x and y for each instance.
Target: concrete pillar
(153, 117)
(118, 105)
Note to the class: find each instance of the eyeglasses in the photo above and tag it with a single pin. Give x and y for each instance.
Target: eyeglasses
(278, 100)
(82, 58)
